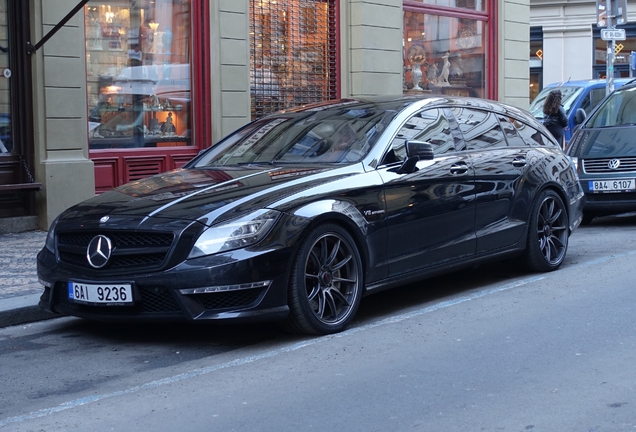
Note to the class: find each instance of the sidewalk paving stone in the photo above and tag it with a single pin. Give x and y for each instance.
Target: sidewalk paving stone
(19, 286)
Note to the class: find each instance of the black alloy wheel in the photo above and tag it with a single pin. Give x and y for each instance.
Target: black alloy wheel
(326, 282)
(548, 233)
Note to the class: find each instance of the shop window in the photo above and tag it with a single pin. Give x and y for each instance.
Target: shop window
(477, 5)
(138, 56)
(445, 55)
(293, 54)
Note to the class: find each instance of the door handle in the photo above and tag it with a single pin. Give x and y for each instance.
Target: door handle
(459, 168)
(519, 162)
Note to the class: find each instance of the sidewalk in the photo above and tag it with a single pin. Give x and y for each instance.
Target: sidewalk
(19, 287)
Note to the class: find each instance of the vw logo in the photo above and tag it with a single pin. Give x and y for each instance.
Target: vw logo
(98, 251)
(614, 164)
(104, 219)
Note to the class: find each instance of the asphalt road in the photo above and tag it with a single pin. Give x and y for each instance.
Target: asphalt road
(486, 349)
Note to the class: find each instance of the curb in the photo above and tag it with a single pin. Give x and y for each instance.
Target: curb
(22, 310)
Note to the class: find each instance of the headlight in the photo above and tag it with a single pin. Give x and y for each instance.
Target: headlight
(50, 237)
(235, 234)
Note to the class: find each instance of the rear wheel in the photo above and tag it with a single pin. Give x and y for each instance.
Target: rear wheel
(548, 233)
(326, 282)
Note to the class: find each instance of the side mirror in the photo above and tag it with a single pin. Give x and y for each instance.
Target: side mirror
(580, 116)
(421, 149)
(415, 152)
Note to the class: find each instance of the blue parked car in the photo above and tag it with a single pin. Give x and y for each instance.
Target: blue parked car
(584, 94)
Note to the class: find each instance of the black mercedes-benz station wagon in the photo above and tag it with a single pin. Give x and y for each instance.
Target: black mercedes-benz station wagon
(296, 216)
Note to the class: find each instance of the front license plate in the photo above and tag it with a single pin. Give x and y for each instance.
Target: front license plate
(624, 185)
(107, 294)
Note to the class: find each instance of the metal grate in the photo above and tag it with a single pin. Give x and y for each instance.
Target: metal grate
(592, 166)
(293, 54)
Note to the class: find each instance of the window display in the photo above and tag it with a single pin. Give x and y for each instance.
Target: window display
(444, 54)
(138, 73)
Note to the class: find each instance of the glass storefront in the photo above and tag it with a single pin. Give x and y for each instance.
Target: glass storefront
(621, 56)
(445, 54)
(6, 140)
(536, 61)
(138, 56)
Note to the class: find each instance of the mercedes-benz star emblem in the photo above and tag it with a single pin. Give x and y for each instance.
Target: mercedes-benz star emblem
(614, 164)
(98, 251)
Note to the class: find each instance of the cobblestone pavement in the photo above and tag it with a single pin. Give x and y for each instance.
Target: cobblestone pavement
(18, 271)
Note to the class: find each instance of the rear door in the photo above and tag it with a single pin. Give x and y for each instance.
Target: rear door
(500, 159)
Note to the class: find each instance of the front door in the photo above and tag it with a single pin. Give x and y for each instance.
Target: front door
(431, 211)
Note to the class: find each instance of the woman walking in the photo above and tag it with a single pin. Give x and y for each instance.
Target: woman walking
(554, 118)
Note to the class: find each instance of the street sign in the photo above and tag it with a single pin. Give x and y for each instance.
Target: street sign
(613, 34)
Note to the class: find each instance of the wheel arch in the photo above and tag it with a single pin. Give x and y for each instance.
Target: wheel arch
(342, 213)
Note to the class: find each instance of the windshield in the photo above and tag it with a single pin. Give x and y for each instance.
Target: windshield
(619, 109)
(570, 94)
(333, 135)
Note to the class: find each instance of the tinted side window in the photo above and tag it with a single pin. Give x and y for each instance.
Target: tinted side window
(480, 129)
(531, 136)
(513, 138)
(596, 96)
(429, 126)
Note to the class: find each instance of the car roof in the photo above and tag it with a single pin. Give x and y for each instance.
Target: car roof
(402, 101)
(588, 83)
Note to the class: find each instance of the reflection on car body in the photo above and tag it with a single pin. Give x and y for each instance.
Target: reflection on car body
(296, 216)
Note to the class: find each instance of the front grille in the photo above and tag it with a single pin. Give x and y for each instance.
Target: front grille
(601, 166)
(130, 250)
(149, 301)
(229, 299)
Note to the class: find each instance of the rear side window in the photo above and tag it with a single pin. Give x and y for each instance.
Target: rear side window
(512, 136)
(480, 129)
(532, 136)
(430, 126)
(596, 96)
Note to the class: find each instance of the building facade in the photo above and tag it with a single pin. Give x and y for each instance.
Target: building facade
(565, 42)
(129, 88)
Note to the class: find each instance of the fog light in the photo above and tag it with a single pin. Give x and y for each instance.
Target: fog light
(224, 288)
(45, 283)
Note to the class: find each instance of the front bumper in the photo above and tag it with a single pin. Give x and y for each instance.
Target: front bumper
(213, 288)
(607, 202)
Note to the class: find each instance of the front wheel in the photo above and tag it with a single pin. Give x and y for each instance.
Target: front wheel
(548, 233)
(326, 282)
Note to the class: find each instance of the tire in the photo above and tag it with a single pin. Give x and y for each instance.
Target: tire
(326, 282)
(548, 233)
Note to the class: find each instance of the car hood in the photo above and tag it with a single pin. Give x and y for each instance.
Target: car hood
(208, 195)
